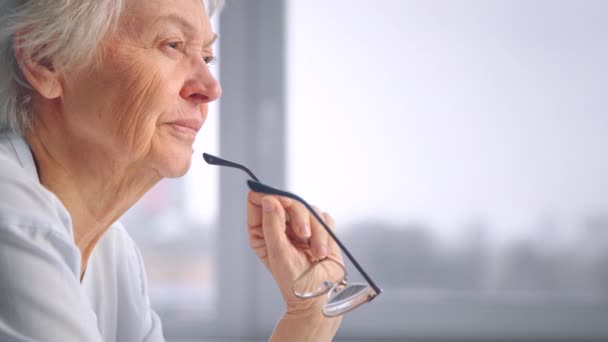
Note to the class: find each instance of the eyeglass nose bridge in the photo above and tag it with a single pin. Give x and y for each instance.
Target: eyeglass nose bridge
(342, 297)
(336, 288)
(328, 286)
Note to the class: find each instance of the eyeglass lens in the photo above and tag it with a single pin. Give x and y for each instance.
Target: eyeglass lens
(345, 299)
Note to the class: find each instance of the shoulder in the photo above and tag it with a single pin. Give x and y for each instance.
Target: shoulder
(119, 257)
(27, 199)
(31, 216)
(118, 237)
(116, 279)
(22, 197)
(118, 241)
(37, 257)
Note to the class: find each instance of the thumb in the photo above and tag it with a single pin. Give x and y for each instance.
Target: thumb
(273, 226)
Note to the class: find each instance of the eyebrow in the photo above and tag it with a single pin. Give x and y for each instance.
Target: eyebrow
(184, 24)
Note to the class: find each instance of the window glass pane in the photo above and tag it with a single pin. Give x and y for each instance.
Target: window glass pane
(460, 145)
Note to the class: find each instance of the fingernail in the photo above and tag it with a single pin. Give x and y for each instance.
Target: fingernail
(266, 204)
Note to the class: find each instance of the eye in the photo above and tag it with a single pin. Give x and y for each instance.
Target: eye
(210, 60)
(174, 45)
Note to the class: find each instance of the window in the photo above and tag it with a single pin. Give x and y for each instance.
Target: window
(460, 145)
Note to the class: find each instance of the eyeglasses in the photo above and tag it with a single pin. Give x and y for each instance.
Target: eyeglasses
(342, 296)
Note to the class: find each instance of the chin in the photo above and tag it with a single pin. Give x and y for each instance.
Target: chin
(176, 165)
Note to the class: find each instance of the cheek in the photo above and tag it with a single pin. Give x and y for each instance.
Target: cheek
(138, 106)
(119, 104)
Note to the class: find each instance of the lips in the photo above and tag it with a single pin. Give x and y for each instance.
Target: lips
(187, 125)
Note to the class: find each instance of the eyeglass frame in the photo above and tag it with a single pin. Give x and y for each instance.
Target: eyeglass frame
(255, 185)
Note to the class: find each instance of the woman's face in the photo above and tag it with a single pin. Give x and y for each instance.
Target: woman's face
(144, 102)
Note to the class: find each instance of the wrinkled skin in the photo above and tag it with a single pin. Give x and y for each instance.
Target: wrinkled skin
(153, 73)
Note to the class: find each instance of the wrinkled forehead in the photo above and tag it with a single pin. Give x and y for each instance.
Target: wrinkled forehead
(145, 14)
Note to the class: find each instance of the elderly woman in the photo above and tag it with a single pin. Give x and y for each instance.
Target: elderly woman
(99, 100)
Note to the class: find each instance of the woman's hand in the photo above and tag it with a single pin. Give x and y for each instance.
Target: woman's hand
(288, 238)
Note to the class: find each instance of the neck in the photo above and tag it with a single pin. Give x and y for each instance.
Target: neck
(95, 189)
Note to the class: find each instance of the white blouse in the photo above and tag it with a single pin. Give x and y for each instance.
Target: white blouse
(41, 296)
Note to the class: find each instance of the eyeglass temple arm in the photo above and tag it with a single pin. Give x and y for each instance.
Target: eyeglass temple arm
(213, 160)
(265, 189)
(257, 186)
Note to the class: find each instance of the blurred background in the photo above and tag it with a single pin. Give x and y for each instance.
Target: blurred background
(460, 146)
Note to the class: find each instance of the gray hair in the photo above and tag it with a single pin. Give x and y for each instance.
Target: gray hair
(51, 29)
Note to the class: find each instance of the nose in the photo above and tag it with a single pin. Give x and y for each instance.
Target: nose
(201, 86)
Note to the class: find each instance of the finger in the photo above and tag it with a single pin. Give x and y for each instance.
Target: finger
(318, 237)
(256, 198)
(254, 210)
(329, 220)
(333, 248)
(299, 243)
(254, 207)
(299, 220)
(273, 226)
